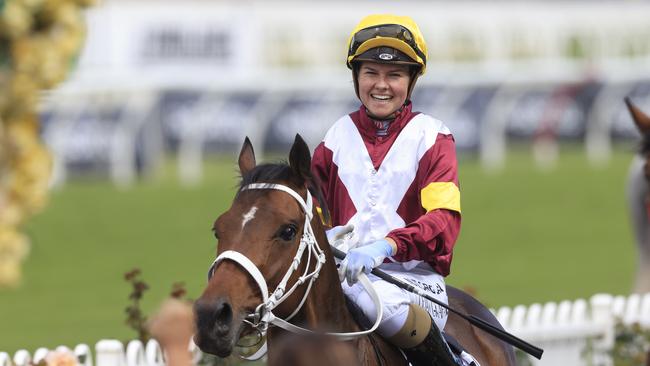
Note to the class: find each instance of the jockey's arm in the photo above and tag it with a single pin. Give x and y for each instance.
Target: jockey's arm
(432, 236)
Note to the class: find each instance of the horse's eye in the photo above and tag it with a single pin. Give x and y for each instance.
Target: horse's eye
(288, 233)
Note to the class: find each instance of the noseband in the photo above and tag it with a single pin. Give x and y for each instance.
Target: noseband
(263, 316)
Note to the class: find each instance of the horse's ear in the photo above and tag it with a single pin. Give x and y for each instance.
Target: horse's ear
(641, 120)
(246, 157)
(300, 158)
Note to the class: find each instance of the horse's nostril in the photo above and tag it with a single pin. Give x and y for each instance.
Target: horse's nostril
(213, 316)
(223, 314)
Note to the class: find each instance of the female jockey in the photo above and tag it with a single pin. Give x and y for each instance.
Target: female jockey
(389, 174)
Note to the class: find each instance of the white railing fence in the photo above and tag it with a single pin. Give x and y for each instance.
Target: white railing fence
(562, 329)
(108, 352)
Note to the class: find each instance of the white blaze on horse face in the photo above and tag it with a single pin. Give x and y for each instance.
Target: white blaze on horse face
(248, 216)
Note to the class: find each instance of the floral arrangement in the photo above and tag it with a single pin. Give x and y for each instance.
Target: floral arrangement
(39, 39)
(59, 358)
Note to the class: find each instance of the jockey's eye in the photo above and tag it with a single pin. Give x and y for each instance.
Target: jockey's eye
(288, 232)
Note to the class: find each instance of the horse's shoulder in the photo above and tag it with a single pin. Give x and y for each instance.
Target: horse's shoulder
(384, 352)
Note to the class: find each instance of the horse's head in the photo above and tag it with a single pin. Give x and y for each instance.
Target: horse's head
(264, 228)
(642, 122)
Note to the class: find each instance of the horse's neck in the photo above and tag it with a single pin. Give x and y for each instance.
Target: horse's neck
(325, 310)
(325, 306)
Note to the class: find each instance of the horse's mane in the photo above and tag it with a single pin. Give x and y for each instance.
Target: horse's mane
(276, 172)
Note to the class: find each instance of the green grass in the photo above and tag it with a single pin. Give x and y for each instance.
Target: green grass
(534, 236)
(528, 236)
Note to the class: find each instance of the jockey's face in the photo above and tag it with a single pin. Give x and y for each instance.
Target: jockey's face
(383, 88)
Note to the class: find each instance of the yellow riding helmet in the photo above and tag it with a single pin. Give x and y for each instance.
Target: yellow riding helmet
(385, 30)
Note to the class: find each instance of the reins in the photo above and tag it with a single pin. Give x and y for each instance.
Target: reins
(263, 316)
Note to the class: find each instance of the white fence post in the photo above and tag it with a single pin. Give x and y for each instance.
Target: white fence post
(83, 353)
(5, 360)
(40, 354)
(603, 318)
(644, 316)
(154, 354)
(109, 352)
(135, 354)
(22, 358)
(195, 351)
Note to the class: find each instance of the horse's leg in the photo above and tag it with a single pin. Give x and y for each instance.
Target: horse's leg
(487, 349)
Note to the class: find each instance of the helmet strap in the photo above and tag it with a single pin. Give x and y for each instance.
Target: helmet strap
(355, 77)
(415, 74)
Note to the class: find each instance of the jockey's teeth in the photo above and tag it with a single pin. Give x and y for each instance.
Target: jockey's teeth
(381, 97)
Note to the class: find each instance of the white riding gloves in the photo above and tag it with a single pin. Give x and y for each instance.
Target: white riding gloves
(343, 237)
(364, 258)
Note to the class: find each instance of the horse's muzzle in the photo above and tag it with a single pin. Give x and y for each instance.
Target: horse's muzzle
(217, 326)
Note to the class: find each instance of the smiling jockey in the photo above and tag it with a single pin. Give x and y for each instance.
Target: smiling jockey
(389, 177)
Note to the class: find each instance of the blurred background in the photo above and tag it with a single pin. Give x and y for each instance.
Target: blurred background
(144, 132)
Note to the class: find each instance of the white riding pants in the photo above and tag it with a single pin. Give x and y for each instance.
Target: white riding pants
(396, 301)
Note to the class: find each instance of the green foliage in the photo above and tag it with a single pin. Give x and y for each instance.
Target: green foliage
(631, 347)
(523, 359)
(135, 317)
(530, 235)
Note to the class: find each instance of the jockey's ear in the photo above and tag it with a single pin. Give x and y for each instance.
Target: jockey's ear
(641, 120)
(300, 158)
(246, 157)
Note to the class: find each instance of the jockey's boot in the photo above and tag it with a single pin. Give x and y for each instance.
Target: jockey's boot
(422, 342)
(432, 351)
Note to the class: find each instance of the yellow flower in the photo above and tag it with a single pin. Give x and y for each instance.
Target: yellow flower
(9, 272)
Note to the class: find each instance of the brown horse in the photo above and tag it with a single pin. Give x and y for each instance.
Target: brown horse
(638, 196)
(268, 227)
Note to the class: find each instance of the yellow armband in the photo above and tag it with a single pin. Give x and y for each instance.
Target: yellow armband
(441, 195)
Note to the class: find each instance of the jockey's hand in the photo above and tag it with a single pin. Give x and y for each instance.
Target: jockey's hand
(365, 258)
(342, 237)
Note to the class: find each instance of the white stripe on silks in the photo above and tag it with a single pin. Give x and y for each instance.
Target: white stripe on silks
(377, 194)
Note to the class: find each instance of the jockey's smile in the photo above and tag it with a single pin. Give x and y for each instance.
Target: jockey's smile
(383, 88)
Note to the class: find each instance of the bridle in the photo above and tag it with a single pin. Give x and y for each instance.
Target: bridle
(263, 316)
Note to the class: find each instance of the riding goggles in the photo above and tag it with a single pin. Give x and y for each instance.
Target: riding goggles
(391, 31)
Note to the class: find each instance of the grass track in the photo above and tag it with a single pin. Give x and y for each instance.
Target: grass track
(528, 236)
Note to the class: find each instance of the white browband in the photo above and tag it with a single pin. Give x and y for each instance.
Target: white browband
(263, 316)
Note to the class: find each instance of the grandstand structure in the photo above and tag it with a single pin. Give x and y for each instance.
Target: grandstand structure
(193, 78)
